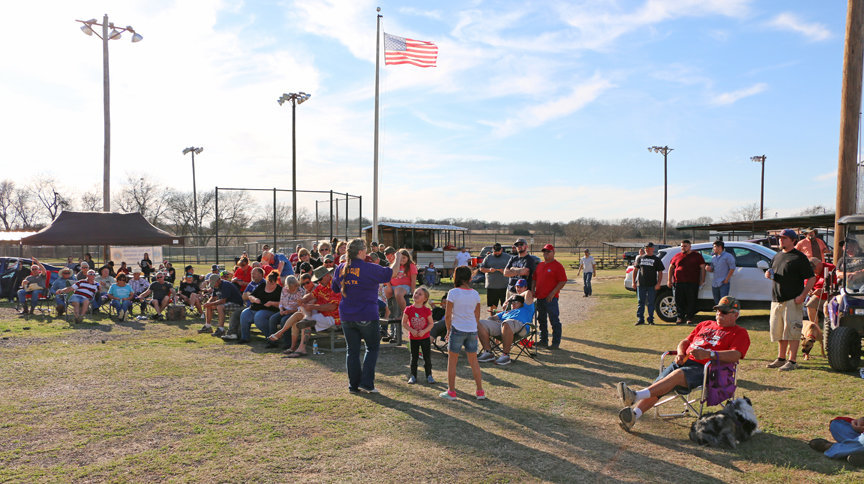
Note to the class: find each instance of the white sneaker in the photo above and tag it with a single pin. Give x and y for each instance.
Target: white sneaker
(485, 356)
(503, 360)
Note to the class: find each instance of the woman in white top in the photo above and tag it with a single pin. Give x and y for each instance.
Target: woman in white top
(461, 317)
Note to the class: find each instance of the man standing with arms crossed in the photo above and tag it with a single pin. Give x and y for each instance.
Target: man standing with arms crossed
(723, 267)
(550, 277)
(520, 266)
(496, 284)
(789, 269)
(686, 276)
(586, 267)
(647, 274)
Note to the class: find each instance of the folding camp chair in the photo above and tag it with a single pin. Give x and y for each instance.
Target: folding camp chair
(524, 343)
(44, 296)
(700, 395)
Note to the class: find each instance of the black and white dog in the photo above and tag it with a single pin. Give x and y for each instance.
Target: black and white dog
(735, 423)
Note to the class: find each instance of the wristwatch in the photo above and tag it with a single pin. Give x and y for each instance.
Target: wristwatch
(713, 354)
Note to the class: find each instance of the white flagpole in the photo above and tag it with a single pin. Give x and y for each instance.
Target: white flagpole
(375, 170)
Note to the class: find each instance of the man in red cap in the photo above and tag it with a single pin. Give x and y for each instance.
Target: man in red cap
(549, 278)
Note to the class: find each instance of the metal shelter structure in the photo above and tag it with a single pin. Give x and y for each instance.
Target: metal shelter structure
(416, 236)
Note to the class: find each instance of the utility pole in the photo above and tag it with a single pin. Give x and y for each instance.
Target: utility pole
(850, 107)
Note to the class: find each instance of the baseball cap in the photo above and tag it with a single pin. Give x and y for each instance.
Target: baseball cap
(496, 246)
(212, 279)
(520, 241)
(328, 258)
(214, 267)
(389, 250)
(548, 248)
(649, 244)
(521, 282)
(728, 303)
(789, 233)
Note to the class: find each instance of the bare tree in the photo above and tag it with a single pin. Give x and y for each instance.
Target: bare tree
(139, 195)
(91, 201)
(235, 213)
(7, 210)
(22, 205)
(49, 197)
(746, 212)
(814, 210)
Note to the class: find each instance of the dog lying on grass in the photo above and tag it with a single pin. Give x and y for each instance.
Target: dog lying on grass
(810, 335)
(735, 423)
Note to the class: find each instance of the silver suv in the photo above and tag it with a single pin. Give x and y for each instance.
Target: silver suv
(749, 285)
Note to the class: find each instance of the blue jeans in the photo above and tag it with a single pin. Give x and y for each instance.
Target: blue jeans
(549, 309)
(586, 282)
(34, 297)
(848, 440)
(720, 292)
(646, 295)
(355, 331)
(121, 305)
(247, 317)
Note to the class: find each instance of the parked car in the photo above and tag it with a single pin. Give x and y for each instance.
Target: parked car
(13, 270)
(749, 284)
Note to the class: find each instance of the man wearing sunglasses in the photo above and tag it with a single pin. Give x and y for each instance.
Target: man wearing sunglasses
(496, 284)
(720, 340)
(520, 266)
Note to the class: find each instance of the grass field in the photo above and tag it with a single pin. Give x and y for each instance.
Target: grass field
(157, 401)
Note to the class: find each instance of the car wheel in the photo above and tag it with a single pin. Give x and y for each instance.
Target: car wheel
(844, 349)
(664, 305)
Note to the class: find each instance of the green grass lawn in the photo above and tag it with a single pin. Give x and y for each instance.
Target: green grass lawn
(157, 401)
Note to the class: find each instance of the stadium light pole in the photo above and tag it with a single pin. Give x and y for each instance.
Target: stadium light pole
(194, 151)
(295, 98)
(665, 150)
(114, 34)
(761, 159)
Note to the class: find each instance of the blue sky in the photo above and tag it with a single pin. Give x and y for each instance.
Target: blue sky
(537, 110)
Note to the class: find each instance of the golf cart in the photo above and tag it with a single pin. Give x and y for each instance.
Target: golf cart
(844, 323)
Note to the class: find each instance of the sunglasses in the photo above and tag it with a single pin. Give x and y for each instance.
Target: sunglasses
(520, 244)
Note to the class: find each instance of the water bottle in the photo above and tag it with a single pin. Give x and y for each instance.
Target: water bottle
(315, 348)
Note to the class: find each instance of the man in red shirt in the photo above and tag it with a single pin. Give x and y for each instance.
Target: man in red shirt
(686, 276)
(549, 278)
(720, 341)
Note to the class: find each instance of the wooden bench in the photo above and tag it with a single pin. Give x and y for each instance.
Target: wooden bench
(333, 332)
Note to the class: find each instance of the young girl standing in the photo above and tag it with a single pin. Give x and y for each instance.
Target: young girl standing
(417, 320)
(462, 317)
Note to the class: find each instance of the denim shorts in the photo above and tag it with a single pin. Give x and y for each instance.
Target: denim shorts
(694, 373)
(458, 339)
(406, 287)
(79, 299)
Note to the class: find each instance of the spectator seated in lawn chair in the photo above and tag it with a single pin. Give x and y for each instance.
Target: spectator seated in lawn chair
(160, 293)
(32, 286)
(139, 285)
(225, 298)
(82, 294)
(319, 310)
(83, 269)
(189, 292)
(506, 326)
(121, 295)
(65, 280)
(719, 341)
(289, 303)
(105, 281)
(124, 269)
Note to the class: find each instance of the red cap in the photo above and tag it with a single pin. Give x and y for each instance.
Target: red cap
(548, 247)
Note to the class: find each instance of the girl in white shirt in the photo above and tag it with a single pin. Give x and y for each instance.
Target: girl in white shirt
(461, 317)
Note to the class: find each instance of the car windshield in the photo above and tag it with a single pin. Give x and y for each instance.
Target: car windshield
(851, 263)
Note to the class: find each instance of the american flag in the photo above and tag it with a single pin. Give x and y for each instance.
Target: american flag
(399, 50)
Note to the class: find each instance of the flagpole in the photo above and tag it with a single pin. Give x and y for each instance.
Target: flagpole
(375, 157)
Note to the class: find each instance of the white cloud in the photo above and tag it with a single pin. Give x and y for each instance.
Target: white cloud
(727, 98)
(830, 176)
(537, 115)
(814, 32)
